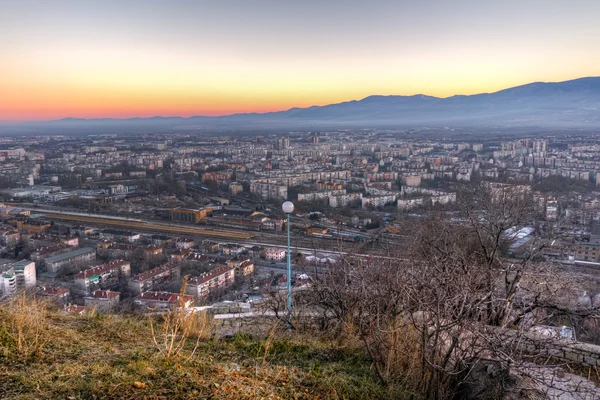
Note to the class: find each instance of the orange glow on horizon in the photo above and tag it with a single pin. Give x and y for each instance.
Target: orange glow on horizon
(123, 59)
(56, 101)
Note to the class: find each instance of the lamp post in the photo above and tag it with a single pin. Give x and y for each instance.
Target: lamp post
(288, 208)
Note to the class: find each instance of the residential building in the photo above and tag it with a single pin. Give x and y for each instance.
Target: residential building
(587, 249)
(344, 200)
(56, 294)
(26, 274)
(75, 258)
(102, 276)
(185, 243)
(102, 301)
(8, 282)
(243, 265)
(151, 278)
(411, 180)
(378, 201)
(9, 237)
(275, 254)
(269, 189)
(220, 277)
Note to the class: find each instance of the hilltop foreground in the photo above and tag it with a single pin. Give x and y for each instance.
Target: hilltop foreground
(115, 357)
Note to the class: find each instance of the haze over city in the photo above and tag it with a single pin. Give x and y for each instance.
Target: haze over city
(183, 58)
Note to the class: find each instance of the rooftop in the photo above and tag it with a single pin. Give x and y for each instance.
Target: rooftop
(104, 294)
(207, 276)
(52, 291)
(163, 296)
(101, 268)
(154, 272)
(70, 254)
(20, 265)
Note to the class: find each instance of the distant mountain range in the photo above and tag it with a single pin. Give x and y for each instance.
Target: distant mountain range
(569, 104)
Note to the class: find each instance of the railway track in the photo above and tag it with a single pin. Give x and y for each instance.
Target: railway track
(147, 226)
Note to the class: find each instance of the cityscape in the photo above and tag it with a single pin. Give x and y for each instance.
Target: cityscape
(172, 235)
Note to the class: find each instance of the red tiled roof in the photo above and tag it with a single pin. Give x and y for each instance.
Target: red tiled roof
(115, 264)
(105, 294)
(153, 272)
(207, 276)
(74, 309)
(163, 296)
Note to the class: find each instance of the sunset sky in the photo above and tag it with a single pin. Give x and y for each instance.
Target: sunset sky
(126, 58)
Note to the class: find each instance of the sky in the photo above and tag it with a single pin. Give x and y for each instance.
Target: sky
(133, 58)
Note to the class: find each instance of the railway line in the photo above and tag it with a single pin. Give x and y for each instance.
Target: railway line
(137, 224)
(299, 242)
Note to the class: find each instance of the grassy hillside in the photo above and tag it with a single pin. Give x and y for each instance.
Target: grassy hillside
(48, 355)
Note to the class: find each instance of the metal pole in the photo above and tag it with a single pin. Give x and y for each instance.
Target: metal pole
(289, 276)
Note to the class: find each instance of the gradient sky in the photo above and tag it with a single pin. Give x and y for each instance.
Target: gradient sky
(85, 58)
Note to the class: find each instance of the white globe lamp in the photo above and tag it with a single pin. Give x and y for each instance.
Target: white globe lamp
(288, 207)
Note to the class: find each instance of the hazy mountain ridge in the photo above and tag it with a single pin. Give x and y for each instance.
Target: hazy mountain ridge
(574, 103)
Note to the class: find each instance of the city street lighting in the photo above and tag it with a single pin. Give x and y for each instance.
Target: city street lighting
(288, 208)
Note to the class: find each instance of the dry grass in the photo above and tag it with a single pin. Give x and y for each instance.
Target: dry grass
(23, 326)
(179, 324)
(115, 357)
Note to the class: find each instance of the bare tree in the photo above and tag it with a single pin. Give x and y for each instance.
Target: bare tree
(430, 313)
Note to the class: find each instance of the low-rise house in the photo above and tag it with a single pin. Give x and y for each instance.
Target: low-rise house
(102, 276)
(112, 249)
(246, 268)
(71, 241)
(149, 279)
(152, 251)
(232, 249)
(73, 309)
(242, 265)
(75, 258)
(162, 300)
(102, 300)
(81, 231)
(275, 254)
(161, 240)
(256, 251)
(56, 294)
(220, 277)
(9, 237)
(185, 243)
(210, 246)
(180, 255)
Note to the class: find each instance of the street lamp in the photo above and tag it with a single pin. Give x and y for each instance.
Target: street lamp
(288, 208)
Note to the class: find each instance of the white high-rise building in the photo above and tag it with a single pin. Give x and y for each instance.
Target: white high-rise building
(17, 276)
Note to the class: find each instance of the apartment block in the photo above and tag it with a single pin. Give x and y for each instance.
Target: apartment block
(200, 286)
(149, 279)
(102, 276)
(102, 301)
(75, 258)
